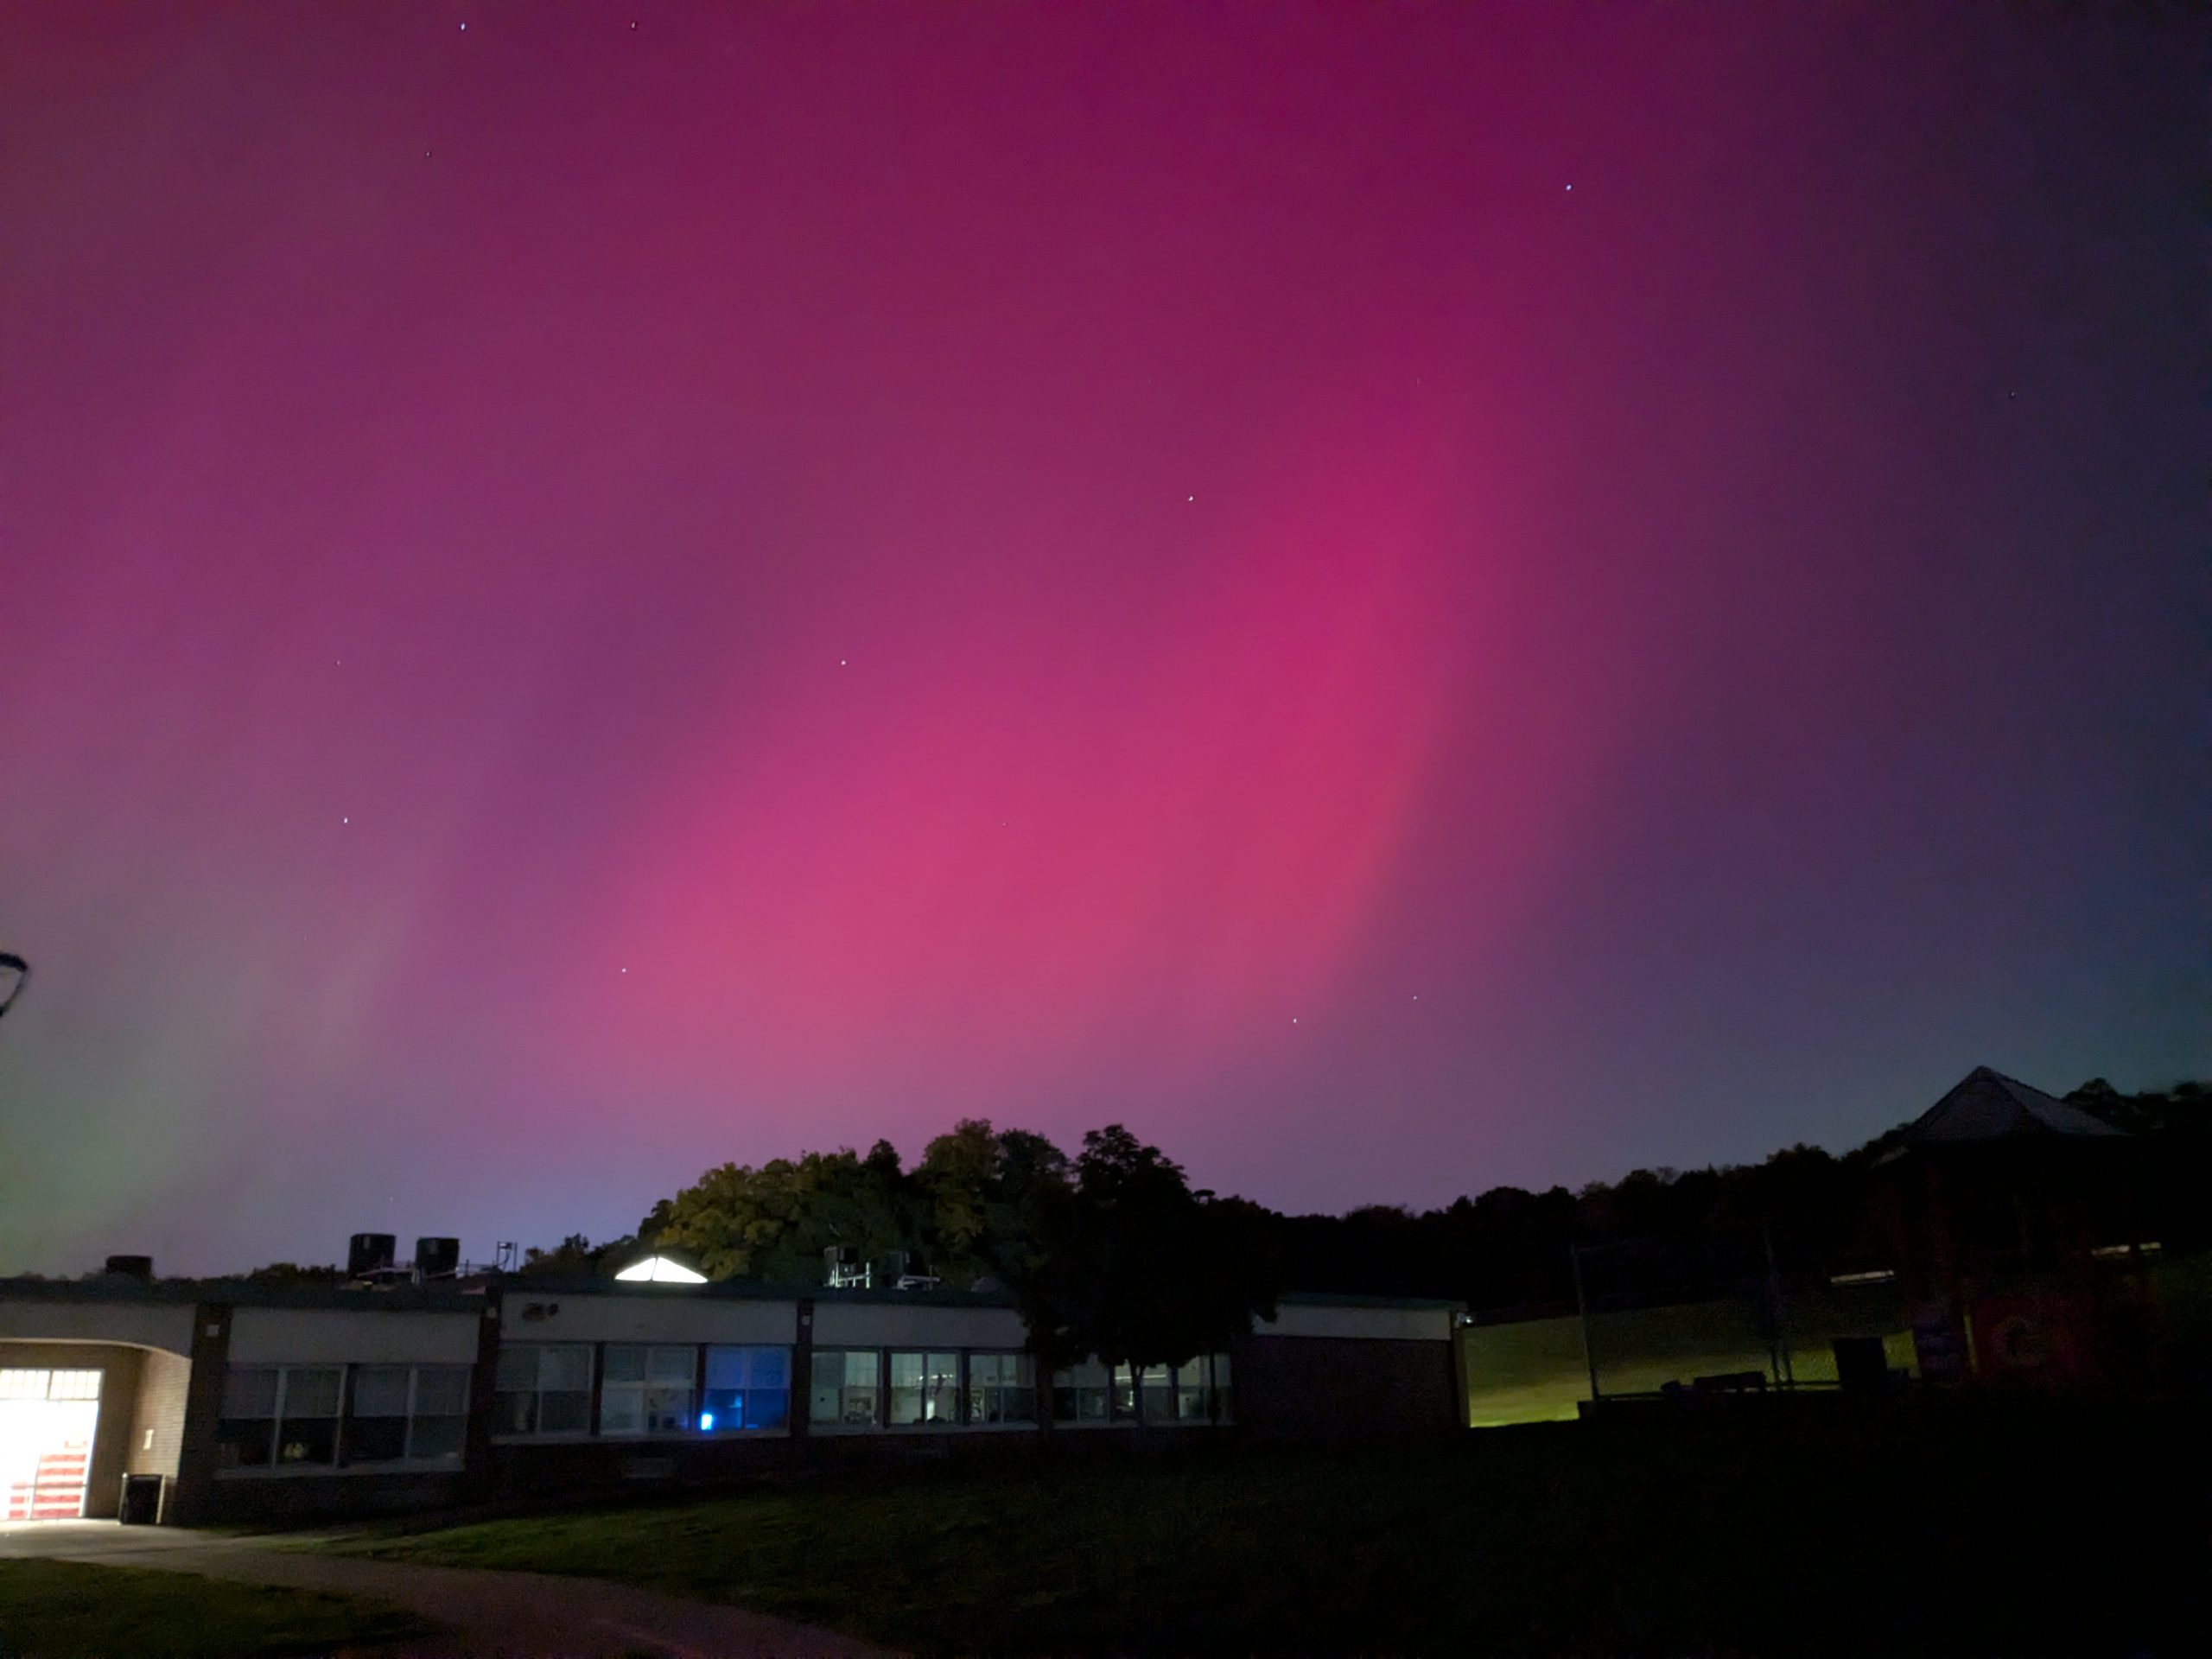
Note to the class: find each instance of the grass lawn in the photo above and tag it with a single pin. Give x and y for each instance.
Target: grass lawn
(2022, 1533)
(51, 1609)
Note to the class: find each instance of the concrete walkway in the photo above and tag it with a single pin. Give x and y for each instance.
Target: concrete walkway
(490, 1615)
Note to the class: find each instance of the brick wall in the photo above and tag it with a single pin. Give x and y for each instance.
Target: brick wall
(157, 1426)
(1323, 1388)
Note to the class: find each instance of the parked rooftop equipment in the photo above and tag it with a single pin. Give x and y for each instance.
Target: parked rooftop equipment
(437, 1258)
(370, 1254)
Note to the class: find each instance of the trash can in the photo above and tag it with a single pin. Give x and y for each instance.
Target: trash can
(141, 1502)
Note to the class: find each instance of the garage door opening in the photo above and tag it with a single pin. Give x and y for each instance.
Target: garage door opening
(47, 1419)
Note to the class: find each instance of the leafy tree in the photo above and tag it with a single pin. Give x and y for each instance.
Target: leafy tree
(985, 1193)
(575, 1257)
(773, 1223)
(1134, 1267)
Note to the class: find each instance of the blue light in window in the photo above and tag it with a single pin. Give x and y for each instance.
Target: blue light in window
(706, 1421)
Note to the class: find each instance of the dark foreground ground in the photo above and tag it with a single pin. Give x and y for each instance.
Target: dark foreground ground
(63, 1610)
(1962, 1533)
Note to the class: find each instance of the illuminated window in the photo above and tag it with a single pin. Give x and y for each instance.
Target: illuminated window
(1125, 1393)
(844, 1388)
(411, 1413)
(544, 1387)
(747, 1388)
(647, 1390)
(278, 1416)
(924, 1389)
(1001, 1388)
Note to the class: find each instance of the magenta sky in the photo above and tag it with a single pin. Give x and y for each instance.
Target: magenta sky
(1400, 597)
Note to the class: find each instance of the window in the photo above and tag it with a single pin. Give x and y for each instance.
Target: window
(647, 1390)
(1156, 1384)
(1001, 1388)
(1125, 1393)
(924, 1389)
(747, 1388)
(408, 1414)
(1079, 1395)
(844, 1387)
(49, 1385)
(1190, 1391)
(278, 1416)
(1221, 1393)
(438, 1425)
(544, 1387)
(245, 1433)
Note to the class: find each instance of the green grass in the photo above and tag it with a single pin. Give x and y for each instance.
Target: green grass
(2013, 1533)
(68, 1610)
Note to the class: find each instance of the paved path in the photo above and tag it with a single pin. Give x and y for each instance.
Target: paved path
(490, 1615)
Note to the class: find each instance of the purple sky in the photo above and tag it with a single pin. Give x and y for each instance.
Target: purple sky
(1400, 597)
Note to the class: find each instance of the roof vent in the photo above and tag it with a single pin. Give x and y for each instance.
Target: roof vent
(369, 1253)
(437, 1258)
(913, 1272)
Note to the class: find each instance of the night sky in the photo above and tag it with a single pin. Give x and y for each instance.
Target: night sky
(1401, 597)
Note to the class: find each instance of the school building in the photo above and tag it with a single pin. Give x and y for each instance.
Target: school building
(233, 1400)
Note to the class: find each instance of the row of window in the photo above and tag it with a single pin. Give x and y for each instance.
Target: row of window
(545, 1389)
(331, 1416)
(328, 1416)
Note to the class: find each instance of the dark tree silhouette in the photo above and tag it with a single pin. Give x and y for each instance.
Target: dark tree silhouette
(1134, 1267)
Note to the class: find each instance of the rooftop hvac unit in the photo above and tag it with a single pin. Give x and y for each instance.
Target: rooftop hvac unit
(842, 1268)
(437, 1258)
(913, 1271)
(369, 1253)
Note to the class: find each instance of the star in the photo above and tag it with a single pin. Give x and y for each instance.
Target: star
(841, 662)
(625, 970)
(344, 820)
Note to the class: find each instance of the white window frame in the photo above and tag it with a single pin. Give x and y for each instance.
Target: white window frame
(409, 1458)
(699, 1406)
(979, 1394)
(274, 1469)
(876, 1386)
(537, 1351)
(928, 1389)
(646, 1386)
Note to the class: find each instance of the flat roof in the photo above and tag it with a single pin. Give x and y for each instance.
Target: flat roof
(468, 1296)
(249, 1293)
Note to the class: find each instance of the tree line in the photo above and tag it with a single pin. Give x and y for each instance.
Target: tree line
(1119, 1221)
(1110, 1251)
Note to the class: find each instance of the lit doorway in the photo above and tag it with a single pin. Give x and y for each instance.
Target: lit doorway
(46, 1423)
